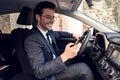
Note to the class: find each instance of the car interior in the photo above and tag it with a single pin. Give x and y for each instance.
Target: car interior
(12, 47)
(101, 51)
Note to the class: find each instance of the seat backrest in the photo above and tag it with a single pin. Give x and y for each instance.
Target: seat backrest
(19, 35)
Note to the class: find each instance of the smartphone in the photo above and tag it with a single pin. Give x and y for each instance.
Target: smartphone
(77, 41)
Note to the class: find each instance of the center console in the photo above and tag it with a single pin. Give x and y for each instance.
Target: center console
(109, 64)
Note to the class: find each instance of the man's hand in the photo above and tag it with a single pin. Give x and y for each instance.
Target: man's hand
(70, 52)
(76, 36)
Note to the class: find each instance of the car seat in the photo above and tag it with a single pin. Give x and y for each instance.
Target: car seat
(18, 36)
(8, 62)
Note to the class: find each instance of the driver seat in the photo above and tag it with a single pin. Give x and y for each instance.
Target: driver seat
(19, 34)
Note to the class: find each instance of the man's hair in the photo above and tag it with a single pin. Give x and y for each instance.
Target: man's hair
(41, 5)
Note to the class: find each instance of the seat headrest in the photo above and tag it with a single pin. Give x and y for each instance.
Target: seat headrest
(25, 17)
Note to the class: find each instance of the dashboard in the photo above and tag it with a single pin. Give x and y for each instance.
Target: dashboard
(115, 57)
(106, 55)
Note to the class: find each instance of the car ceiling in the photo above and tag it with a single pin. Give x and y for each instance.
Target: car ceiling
(12, 6)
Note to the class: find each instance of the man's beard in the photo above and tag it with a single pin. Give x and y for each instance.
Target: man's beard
(49, 26)
(46, 26)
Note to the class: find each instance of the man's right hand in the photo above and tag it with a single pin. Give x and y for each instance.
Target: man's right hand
(70, 52)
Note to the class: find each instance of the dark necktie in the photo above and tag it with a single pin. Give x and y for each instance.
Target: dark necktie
(48, 38)
(50, 44)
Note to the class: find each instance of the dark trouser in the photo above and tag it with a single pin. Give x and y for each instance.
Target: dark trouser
(78, 71)
(25, 77)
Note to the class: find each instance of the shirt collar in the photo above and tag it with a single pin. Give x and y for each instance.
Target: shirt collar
(42, 31)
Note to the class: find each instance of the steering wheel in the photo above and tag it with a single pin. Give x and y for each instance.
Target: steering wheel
(84, 40)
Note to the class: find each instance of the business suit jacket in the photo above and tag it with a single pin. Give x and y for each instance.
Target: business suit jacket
(40, 54)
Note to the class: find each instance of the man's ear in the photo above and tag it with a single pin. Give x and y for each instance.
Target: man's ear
(37, 17)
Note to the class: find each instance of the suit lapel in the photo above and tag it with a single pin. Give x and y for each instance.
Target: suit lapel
(42, 39)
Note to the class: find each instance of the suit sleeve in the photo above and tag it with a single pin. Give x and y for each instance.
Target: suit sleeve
(42, 69)
(62, 34)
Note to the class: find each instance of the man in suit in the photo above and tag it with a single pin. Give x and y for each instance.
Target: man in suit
(47, 63)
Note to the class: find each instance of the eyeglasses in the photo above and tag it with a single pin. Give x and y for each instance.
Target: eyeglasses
(49, 17)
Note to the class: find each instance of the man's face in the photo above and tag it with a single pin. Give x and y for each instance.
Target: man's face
(46, 20)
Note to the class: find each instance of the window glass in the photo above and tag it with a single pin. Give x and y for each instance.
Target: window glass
(65, 23)
(8, 22)
(103, 11)
(62, 23)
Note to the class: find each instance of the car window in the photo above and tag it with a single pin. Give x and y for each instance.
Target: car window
(69, 24)
(103, 11)
(62, 23)
(8, 22)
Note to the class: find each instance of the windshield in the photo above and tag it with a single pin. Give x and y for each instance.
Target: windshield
(103, 11)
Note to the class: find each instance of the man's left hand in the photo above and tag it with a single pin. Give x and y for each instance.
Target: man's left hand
(76, 36)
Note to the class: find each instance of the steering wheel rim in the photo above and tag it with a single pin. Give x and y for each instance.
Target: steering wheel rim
(85, 38)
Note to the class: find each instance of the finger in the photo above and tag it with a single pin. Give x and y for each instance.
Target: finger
(70, 44)
(76, 50)
(77, 46)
